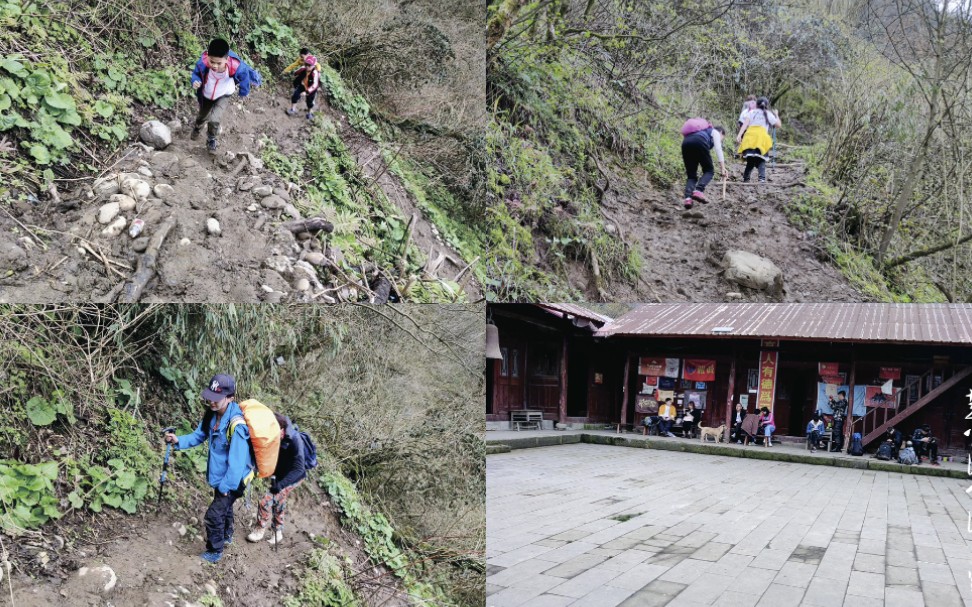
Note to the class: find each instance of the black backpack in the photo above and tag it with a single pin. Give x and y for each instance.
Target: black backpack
(884, 451)
(857, 445)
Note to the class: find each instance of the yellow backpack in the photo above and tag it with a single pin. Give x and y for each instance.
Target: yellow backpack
(264, 435)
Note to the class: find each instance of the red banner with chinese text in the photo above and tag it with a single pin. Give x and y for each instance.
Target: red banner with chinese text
(890, 373)
(828, 369)
(768, 362)
(696, 369)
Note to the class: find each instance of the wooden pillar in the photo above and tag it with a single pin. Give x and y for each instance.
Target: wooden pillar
(849, 424)
(563, 383)
(624, 391)
(732, 390)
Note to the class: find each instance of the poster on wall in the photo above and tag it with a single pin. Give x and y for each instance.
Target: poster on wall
(694, 396)
(666, 383)
(700, 385)
(744, 400)
(671, 367)
(825, 391)
(767, 379)
(878, 396)
(698, 369)
(662, 395)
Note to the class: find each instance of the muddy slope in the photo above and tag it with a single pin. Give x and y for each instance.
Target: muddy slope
(682, 250)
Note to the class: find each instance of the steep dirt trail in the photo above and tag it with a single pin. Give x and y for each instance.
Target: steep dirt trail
(253, 259)
(682, 250)
(156, 566)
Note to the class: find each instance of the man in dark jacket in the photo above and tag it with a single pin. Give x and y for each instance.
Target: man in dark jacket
(925, 444)
(894, 435)
(290, 473)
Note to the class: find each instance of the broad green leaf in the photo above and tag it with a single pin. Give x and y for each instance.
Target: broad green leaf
(60, 101)
(104, 109)
(5, 102)
(126, 479)
(12, 65)
(113, 499)
(75, 500)
(48, 470)
(40, 412)
(70, 118)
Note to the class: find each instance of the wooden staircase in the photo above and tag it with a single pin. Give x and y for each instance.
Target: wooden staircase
(878, 419)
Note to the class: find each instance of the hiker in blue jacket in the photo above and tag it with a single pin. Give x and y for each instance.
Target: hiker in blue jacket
(231, 464)
(290, 472)
(217, 74)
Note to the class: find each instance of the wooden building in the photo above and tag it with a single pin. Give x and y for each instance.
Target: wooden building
(901, 364)
(551, 363)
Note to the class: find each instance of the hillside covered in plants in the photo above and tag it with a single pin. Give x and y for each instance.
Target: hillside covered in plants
(96, 102)
(866, 197)
(394, 514)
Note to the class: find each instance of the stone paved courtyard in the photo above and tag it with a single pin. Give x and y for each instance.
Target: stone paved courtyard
(595, 525)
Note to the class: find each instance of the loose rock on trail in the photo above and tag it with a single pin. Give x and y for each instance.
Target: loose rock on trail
(215, 228)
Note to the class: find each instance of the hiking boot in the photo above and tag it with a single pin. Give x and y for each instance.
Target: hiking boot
(228, 540)
(195, 133)
(276, 539)
(935, 463)
(310, 115)
(211, 145)
(291, 112)
(688, 203)
(697, 195)
(211, 557)
(257, 535)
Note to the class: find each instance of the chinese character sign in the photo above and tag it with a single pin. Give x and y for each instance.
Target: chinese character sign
(828, 369)
(651, 366)
(699, 370)
(767, 379)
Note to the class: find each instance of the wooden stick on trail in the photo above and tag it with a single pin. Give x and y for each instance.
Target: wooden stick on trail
(146, 266)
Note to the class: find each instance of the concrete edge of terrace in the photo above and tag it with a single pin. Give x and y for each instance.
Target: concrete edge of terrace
(820, 459)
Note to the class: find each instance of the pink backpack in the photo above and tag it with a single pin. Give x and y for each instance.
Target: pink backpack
(694, 125)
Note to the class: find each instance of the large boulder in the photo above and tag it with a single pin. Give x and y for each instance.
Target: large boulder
(751, 270)
(156, 134)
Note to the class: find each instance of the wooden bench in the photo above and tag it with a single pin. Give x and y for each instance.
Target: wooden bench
(526, 418)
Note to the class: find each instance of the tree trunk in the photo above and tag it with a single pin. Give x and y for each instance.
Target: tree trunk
(502, 19)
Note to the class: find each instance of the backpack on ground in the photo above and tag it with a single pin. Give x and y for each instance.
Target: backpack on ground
(310, 449)
(857, 445)
(884, 451)
(907, 456)
(264, 435)
(694, 125)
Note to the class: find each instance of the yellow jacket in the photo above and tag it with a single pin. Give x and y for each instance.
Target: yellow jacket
(300, 63)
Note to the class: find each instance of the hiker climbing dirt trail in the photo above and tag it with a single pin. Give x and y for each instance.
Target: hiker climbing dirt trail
(685, 250)
(156, 563)
(227, 215)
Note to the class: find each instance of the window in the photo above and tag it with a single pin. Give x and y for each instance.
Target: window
(516, 363)
(504, 365)
(545, 361)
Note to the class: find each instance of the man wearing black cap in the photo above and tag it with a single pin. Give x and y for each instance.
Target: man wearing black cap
(231, 464)
(215, 78)
(925, 444)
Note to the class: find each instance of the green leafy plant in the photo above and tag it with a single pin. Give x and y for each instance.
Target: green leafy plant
(272, 39)
(43, 412)
(27, 495)
(355, 106)
(325, 583)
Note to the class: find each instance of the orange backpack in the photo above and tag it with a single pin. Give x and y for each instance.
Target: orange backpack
(264, 435)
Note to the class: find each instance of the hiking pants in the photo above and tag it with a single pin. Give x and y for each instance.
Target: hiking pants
(296, 96)
(814, 438)
(695, 152)
(266, 506)
(929, 449)
(211, 111)
(219, 519)
(755, 162)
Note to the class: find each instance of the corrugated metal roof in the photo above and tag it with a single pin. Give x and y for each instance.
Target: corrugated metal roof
(921, 323)
(575, 310)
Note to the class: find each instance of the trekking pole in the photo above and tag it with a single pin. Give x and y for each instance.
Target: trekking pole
(273, 510)
(165, 463)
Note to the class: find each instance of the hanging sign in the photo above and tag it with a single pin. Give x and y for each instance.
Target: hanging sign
(828, 369)
(890, 373)
(651, 366)
(697, 369)
(768, 361)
